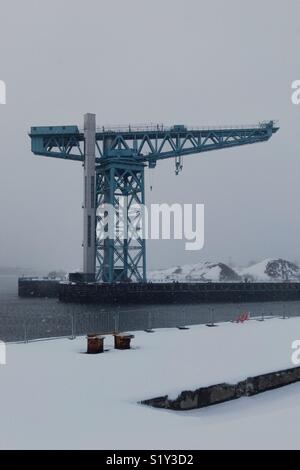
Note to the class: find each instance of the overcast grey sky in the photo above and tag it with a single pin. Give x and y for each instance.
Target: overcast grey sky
(138, 61)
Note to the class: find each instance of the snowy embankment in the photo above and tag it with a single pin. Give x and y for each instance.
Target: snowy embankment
(55, 396)
(269, 270)
(200, 272)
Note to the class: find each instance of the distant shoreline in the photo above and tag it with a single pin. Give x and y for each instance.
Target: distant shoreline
(7, 271)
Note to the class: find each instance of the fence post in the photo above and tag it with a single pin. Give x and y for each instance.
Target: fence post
(73, 334)
(182, 326)
(25, 332)
(116, 322)
(212, 318)
(149, 320)
(184, 317)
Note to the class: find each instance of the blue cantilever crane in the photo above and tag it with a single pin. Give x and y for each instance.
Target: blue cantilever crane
(114, 163)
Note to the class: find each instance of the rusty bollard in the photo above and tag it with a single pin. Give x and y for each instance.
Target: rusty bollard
(122, 341)
(95, 344)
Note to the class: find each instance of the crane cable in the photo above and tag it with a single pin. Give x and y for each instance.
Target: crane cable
(150, 182)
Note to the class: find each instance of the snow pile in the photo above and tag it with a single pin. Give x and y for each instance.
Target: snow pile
(269, 270)
(200, 272)
(272, 270)
(55, 396)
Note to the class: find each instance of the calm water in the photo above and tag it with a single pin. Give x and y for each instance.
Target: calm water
(22, 319)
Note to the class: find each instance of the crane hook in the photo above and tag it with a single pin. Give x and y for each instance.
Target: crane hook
(178, 165)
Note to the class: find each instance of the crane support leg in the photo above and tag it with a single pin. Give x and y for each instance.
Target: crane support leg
(89, 238)
(120, 257)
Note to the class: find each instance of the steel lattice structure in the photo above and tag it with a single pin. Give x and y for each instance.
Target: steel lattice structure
(114, 161)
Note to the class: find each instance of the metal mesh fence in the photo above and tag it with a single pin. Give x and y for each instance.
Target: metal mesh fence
(80, 320)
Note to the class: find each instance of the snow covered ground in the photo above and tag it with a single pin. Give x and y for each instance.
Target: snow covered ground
(53, 395)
